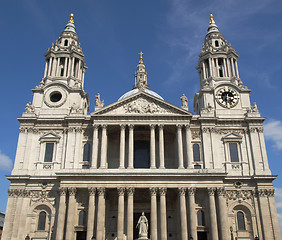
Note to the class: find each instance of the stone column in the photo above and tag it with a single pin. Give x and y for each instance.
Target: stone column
(223, 220)
(204, 70)
(210, 67)
(50, 66)
(9, 217)
(79, 70)
(180, 146)
(130, 193)
(163, 213)
(273, 211)
(217, 68)
(154, 224)
(69, 67)
(232, 67)
(91, 213)
(183, 213)
(152, 146)
(192, 212)
(237, 71)
(161, 146)
(131, 146)
(58, 66)
(95, 145)
(65, 67)
(45, 69)
(213, 219)
(122, 146)
(72, 67)
(224, 67)
(101, 214)
(62, 214)
(189, 152)
(104, 147)
(71, 214)
(229, 67)
(120, 224)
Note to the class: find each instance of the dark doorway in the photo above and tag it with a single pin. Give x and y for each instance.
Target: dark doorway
(141, 154)
(81, 235)
(135, 221)
(202, 236)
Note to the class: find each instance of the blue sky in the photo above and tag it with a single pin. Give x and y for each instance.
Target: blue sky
(112, 32)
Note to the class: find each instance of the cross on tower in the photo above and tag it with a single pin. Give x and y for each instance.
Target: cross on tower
(141, 57)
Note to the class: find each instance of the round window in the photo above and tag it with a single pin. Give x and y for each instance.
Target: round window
(55, 97)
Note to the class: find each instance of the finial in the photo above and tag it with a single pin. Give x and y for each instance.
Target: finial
(141, 57)
(211, 19)
(71, 18)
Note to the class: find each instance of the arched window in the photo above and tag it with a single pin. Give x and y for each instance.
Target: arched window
(241, 221)
(216, 43)
(201, 218)
(82, 218)
(86, 152)
(196, 152)
(66, 42)
(41, 221)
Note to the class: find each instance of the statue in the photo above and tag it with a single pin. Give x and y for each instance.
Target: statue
(184, 101)
(99, 103)
(29, 108)
(143, 227)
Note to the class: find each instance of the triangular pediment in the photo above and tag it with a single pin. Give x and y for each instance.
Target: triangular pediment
(144, 104)
(232, 137)
(50, 136)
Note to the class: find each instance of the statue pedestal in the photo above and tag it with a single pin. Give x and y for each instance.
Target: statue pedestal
(143, 238)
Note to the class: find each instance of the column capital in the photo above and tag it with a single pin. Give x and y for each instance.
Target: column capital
(104, 126)
(211, 191)
(95, 126)
(121, 191)
(191, 191)
(161, 126)
(153, 191)
(187, 126)
(221, 191)
(63, 191)
(152, 126)
(72, 191)
(130, 191)
(92, 191)
(162, 191)
(130, 126)
(182, 191)
(122, 126)
(179, 126)
(101, 191)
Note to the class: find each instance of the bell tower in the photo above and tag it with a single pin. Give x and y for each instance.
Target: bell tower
(221, 90)
(61, 92)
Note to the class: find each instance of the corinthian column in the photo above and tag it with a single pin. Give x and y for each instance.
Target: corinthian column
(122, 146)
(154, 225)
(152, 147)
(192, 213)
(130, 193)
(189, 152)
(91, 213)
(120, 225)
(131, 146)
(180, 146)
(95, 146)
(104, 147)
(222, 213)
(161, 145)
(71, 214)
(183, 213)
(213, 221)
(100, 214)
(163, 213)
(62, 214)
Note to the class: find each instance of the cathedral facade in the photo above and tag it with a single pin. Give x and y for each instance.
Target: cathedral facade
(141, 167)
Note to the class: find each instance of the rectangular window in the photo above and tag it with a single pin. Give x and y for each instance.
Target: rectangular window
(233, 148)
(49, 152)
(86, 152)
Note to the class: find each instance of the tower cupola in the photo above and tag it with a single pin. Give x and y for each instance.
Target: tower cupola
(141, 75)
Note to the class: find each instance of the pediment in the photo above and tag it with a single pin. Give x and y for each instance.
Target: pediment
(50, 136)
(232, 137)
(144, 104)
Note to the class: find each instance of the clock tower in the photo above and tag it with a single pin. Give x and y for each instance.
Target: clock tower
(222, 93)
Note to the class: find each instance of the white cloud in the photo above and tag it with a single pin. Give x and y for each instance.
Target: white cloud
(5, 162)
(273, 132)
(278, 200)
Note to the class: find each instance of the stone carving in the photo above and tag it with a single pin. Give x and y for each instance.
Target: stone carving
(235, 166)
(47, 166)
(163, 191)
(29, 108)
(191, 191)
(130, 191)
(92, 191)
(63, 191)
(211, 191)
(253, 109)
(142, 106)
(143, 227)
(265, 192)
(18, 193)
(99, 103)
(153, 191)
(101, 191)
(182, 191)
(42, 196)
(195, 134)
(238, 194)
(184, 101)
(72, 191)
(208, 109)
(121, 191)
(75, 109)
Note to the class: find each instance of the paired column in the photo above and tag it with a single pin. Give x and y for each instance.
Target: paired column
(222, 213)
(152, 147)
(95, 147)
(189, 152)
(192, 213)
(120, 224)
(213, 219)
(104, 147)
(130, 193)
(183, 216)
(154, 225)
(122, 146)
(163, 213)
(131, 146)
(71, 213)
(161, 146)
(91, 213)
(180, 146)
(62, 214)
(100, 214)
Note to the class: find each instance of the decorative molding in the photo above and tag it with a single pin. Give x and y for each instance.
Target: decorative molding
(42, 196)
(191, 191)
(121, 191)
(211, 191)
(63, 191)
(239, 194)
(143, 106)
(163, 191)
(153, 191)
(265, 192)
(101, 191)
(72, 191)
(221, 191)
(130, 191)
(92, 191)
(196, 134)
(182, 191)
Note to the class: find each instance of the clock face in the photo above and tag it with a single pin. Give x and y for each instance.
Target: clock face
(227, 97)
